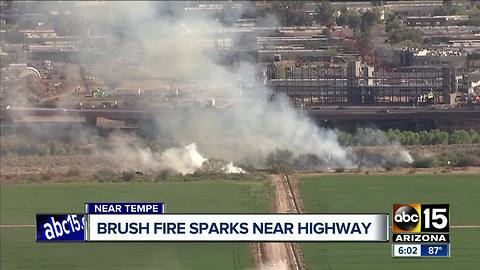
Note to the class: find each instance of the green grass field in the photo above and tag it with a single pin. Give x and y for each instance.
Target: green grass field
(368, 193)
(19, 203)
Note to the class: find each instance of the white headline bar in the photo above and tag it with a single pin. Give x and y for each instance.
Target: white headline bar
(238, 227)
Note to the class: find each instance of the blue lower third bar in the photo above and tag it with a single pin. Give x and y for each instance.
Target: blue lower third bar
(435, 250)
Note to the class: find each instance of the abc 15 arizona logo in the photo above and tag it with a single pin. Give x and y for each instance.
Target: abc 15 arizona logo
(421, 218)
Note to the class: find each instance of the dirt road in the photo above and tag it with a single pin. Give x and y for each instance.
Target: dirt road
(281, 255)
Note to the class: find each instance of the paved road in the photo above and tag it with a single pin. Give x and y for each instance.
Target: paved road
(399, 117)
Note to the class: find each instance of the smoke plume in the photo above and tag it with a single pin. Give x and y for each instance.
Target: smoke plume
(221, 110)
(241, 126)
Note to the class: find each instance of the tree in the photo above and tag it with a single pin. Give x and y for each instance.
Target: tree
(341, 19)
(474, 20)
(213, 166)
(331, 52)
(460, 137)
(307, 162)
(325, 13)
(289, 13)
(474, 16)
(368, 19)
(440, 11)
(447, 8)
(353, 19)
(344, 138)
(439, 137)
(392, 22)
(474, 136)
(280, 160)
(398, 33)
(408, 43)
(402, 34)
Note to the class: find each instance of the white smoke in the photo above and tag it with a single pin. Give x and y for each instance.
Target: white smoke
(230, 168)
(403, 154)
(184, 160)
(243, 127)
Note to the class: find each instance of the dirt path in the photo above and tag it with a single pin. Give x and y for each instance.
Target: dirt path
(276, 254)
(280, 255)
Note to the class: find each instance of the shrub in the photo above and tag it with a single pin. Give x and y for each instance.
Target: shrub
(46, 176)
(460, 137)
(439, 137)
(213, 166)
(422, 163)
(31, 178)
(474, 135)
(307, 162)
(280, 161)
(388, 168)
(462, 160)
(105, 175)
(127, 176)
(57, 148)
(73, 171)
(163, 175)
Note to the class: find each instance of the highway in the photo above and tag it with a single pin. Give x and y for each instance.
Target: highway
(325, 113)
(341, 115)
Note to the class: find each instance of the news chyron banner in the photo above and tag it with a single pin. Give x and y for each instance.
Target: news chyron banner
(239, 227)
(418, 230)
(421, 230)
(148, 222)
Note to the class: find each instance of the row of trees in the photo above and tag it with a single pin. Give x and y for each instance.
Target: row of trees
(292, 13)
(288, 13)
(398, 32)
(367, 136)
